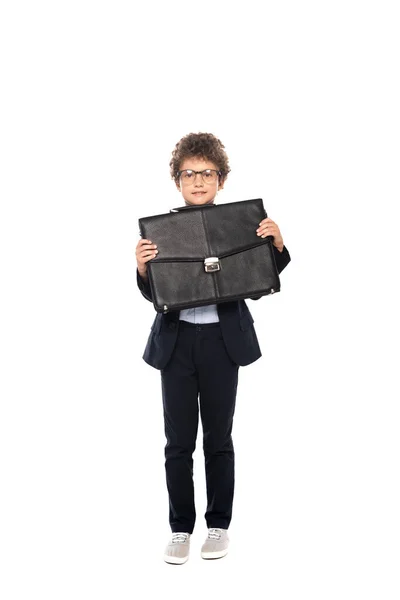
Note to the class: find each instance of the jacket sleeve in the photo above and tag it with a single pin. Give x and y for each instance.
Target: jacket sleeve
(144, 287)
(282, 259)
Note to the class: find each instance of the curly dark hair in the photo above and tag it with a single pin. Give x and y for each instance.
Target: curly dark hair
(200, 145)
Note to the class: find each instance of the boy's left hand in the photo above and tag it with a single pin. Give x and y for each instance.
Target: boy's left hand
(269, 227)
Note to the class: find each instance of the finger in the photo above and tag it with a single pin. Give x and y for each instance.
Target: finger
(267, 231)
(263, 223)
(140, 256)
(147, 258)
(146, 247)
(150, 253)
(268, 222)
(143, 252)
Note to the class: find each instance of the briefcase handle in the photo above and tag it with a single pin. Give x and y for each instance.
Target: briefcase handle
(190, 207)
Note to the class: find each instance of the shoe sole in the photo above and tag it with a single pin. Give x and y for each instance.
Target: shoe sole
(211, 555)
(175, 560)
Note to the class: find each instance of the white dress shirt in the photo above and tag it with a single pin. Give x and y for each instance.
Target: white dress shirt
(200, 314)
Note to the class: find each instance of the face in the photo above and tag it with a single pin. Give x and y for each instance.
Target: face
(198, 192)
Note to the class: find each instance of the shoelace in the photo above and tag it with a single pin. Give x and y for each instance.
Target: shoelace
(214, 533)
(179, 538)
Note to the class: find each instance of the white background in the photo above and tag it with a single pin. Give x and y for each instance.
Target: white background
(305, 97)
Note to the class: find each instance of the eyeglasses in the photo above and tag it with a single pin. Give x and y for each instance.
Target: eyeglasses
(187, 176)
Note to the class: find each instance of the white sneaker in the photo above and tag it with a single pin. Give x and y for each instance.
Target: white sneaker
(216, 544)
(177, 551)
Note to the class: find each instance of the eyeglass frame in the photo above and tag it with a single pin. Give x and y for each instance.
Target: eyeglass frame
(219, 174)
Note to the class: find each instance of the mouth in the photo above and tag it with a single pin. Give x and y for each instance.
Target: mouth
(198, 193)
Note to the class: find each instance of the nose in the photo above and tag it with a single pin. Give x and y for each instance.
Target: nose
(198, 180)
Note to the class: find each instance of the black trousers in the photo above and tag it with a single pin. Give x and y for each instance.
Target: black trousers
(199, 369)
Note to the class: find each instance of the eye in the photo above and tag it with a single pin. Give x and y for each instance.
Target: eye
(187, 174)
(208, 174)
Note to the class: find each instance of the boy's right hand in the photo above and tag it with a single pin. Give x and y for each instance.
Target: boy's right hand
(145, 251)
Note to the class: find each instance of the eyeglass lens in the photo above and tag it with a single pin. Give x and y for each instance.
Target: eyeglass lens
(208, 175)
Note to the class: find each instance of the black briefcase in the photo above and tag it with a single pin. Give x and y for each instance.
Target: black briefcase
(209, 254)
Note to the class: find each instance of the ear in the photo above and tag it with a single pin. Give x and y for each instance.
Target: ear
(221, 184)
(178, 187)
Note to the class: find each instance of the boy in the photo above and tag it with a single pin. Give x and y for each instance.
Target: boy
(199, 351)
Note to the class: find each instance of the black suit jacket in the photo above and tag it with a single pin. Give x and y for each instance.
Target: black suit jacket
(235, 320)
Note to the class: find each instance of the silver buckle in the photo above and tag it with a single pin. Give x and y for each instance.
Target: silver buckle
(211, 264)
